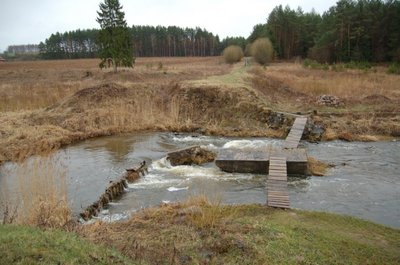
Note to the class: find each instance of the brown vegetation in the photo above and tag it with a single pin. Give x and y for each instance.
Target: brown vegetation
(317, 168)
(48, 104)
(369, 106)
(198, 220)
(199, 231)
(37, 196)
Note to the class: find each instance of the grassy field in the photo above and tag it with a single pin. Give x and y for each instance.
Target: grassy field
(26, 245)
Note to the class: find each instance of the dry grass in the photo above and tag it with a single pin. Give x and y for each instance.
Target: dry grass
(317, 168)
(370, 107)
(38, 84)
(160, 235)
(43, 104)
(200, 232)
(38, 195)
(352, 84)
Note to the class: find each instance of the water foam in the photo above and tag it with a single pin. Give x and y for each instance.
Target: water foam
(173, 189)
(250, 144)
(153, 181)
(163, 166)
(191, 138)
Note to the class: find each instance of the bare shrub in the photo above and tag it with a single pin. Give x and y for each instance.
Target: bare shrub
(8, 212)
(262, 51)
(232, 54)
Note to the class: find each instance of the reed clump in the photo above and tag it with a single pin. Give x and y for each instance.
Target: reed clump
(37, 191)
(317, 167)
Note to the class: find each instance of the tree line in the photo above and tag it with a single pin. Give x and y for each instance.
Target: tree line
(352, 30)
(70, 45)
(23, 49)
(363, 30)
(148, 41)
(174, 41)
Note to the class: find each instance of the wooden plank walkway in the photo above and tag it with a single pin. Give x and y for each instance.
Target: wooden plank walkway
(294, 136)
(277, 191)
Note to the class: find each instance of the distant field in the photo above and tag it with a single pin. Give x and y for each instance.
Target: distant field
(27, 85)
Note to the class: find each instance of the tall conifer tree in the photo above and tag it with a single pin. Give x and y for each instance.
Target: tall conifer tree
(114, 40)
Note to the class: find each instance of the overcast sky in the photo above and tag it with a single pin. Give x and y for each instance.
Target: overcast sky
(29, 22)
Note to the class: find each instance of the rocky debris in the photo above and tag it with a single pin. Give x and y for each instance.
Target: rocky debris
(329, 100)
(191, 155)
(114, 191)
(314, 130)
(277, 120)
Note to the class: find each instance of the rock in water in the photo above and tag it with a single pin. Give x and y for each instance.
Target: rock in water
(191, 155)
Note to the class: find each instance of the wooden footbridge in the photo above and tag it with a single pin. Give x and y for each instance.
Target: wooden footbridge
(278, 162)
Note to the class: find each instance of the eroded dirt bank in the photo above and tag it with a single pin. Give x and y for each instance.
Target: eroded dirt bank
(112, 108)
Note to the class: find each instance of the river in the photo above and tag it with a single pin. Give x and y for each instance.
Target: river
(364, 182)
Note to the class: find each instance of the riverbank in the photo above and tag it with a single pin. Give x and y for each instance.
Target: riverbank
(47, 105)
(28, 245)
(201, 232)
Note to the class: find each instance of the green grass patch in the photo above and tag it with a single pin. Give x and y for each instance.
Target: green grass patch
(318, 238)
(26, 245)
(358, 65)
(394, 68)
(361, 65)
(315, 65)
(236, 78)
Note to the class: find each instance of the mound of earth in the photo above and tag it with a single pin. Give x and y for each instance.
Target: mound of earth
(91, 97)
(104, 91)
(376, 98)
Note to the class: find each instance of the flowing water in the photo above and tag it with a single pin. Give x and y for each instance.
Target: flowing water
(364, 183)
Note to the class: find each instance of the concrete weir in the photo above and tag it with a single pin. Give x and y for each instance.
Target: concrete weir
(231, 160)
